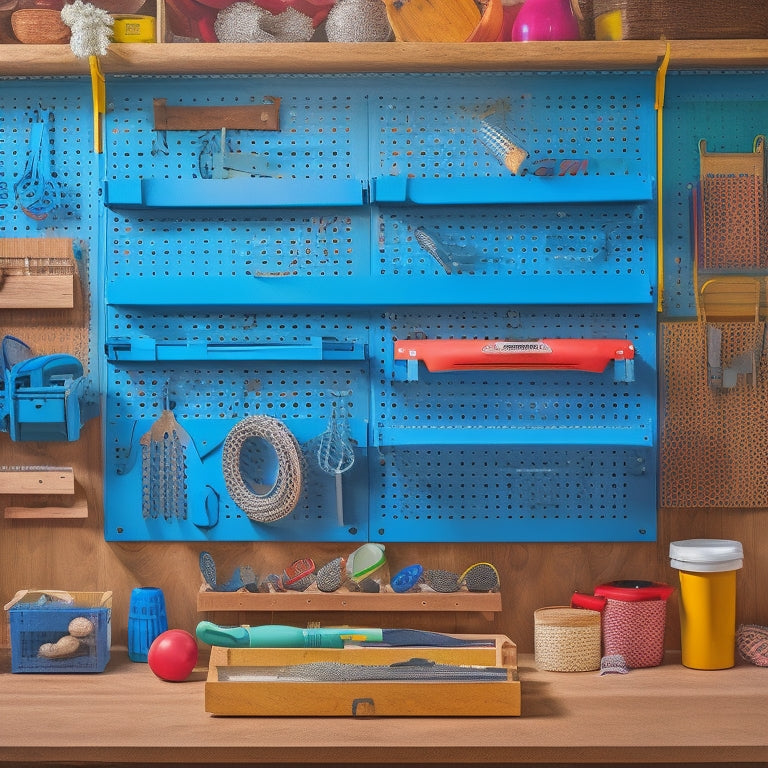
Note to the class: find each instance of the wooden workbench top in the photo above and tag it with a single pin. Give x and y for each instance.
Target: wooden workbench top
(126, 715)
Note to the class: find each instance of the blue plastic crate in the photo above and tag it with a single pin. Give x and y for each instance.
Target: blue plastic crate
(43, 616)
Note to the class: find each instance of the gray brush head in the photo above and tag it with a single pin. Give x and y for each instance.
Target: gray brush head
(208, 569)
(332, 575)
(442, 581)
(481, 577)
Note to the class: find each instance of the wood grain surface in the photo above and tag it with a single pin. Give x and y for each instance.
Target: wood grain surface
(656, 716)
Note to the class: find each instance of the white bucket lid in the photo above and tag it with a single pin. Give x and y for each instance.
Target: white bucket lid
(706, 555)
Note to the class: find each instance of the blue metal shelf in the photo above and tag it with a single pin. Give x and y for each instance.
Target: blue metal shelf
(149, 350)
(198, 194)
(519, 190)
(379, 291)
(235, 193)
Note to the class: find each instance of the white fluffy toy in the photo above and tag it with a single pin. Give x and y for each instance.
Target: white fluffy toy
(92, 28)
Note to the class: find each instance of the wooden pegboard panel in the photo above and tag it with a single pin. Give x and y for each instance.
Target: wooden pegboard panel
(714, 442)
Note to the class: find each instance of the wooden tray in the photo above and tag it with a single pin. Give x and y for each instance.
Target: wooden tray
(284, 698)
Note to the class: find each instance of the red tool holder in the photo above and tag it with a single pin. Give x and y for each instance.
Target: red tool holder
(592, 355)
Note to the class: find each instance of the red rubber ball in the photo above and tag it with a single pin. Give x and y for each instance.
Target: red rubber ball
(173, 655)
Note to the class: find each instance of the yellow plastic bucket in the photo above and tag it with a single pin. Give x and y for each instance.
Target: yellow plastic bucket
(707, 571)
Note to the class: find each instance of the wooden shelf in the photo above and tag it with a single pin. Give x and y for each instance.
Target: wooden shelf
(41, 481)
(655, 716)
(250, 58)
(480, 602)
(37, 480)
(78, 511)
(37, 292)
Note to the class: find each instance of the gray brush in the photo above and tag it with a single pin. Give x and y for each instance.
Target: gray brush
(442, 581)
(481, 577)
(332, 575)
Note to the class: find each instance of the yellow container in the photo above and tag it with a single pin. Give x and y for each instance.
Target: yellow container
(132, 28)
(707, 571)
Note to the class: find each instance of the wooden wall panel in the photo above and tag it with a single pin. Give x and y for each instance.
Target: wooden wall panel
(72, 554)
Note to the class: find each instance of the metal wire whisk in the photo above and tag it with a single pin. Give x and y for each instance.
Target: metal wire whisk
(336, 451)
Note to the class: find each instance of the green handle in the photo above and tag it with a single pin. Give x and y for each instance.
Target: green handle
(280, 636)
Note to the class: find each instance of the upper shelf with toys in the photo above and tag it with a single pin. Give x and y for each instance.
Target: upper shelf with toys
(217, 37)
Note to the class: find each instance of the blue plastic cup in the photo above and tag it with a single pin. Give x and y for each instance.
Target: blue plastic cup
(146, 620)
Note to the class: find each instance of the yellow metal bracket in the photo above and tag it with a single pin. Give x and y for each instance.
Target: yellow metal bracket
(99, 90)
(661, 82)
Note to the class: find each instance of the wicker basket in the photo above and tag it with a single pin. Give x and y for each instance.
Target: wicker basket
(40, 26)
(679, 19)
(567, 639)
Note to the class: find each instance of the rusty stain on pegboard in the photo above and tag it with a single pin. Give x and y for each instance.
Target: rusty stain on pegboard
(714, 442)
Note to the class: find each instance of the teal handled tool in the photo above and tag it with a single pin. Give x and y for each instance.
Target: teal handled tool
(280, 636)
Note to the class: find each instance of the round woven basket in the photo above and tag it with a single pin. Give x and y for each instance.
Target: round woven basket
(567, 639)
(40, 26)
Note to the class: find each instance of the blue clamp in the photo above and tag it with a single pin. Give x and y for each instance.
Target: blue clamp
(624, 370)
(43, 398)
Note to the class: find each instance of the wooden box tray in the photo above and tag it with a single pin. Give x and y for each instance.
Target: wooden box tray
(227, 695)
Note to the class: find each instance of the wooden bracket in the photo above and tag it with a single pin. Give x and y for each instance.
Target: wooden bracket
(36, 273)
(253, 117)
(43, 481)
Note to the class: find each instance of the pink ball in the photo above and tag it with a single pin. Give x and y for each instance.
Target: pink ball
(173, 655)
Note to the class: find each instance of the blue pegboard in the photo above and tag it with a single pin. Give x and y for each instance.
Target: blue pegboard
(320, 258)
(73, 167)
(728, 109)
(505, 493)
(364, 161)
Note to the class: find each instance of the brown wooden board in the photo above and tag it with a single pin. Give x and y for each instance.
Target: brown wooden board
(251, 117)
(37, 273)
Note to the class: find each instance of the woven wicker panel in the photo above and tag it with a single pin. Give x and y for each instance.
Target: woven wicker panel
(688, 19)
(733, 223)
(714, 442)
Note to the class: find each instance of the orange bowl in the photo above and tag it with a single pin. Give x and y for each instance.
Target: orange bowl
(41, 26)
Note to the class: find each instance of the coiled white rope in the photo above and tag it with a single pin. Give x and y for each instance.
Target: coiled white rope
(281, 499)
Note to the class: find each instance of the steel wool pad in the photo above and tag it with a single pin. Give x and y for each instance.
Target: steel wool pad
(283, 496)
